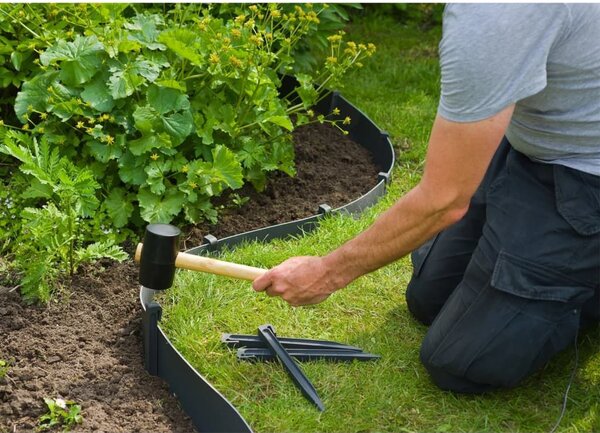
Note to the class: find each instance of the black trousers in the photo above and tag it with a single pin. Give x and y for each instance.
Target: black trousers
(506, 288)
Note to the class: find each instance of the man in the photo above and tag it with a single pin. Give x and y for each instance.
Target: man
(505, 223)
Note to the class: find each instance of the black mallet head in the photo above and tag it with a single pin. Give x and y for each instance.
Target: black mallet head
(157, 261)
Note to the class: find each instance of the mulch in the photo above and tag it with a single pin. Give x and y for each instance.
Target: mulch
(86, 345)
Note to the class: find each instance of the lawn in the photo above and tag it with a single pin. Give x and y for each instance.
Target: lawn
(398, 88)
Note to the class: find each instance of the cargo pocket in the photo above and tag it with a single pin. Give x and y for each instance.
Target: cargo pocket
(547, 307)
(524, 316)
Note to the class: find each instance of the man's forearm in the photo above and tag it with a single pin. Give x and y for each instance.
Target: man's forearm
(405, 226)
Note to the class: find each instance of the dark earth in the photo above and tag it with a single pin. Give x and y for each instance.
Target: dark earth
(86, 344)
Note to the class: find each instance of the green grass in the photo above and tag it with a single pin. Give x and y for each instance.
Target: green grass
(398, 89)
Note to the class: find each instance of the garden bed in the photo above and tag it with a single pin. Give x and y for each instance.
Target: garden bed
(86, 345)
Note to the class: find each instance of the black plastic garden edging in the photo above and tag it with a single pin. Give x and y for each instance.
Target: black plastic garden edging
(209, 410)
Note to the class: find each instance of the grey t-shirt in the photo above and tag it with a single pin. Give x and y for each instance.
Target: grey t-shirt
(543, 57)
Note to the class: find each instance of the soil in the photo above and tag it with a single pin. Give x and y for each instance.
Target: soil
(86, 344)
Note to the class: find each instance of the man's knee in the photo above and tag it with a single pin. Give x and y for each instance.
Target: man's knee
(448, 378)
(421, 306)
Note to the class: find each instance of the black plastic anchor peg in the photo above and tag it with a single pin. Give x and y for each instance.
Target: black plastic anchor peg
(254, 354)
(267, 334)
(244, 340)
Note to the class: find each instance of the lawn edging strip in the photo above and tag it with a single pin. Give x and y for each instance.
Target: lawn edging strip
(205, 405)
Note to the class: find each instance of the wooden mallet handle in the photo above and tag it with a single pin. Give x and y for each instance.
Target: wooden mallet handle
(212, 266)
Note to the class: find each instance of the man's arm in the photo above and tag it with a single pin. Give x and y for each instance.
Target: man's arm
(457, 159)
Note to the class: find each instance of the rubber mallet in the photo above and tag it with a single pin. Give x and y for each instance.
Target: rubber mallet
(159, 255)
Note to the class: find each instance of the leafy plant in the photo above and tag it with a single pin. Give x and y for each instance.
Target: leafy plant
(61, 413)
(53, 236)
(4, 367)
(169, 110)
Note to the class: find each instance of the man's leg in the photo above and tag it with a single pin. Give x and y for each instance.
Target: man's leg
(534, 269)
(439, 265)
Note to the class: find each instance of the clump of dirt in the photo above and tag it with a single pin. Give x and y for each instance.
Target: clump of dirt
(86, 344)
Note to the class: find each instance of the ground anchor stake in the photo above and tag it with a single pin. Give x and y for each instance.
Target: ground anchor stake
(267, 334)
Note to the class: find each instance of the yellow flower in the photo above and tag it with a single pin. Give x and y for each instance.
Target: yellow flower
(255, 39)
(193, 185)
(275, 13)
(110, 139)
(334, 38)
(253, 8)
(89, 131)
(214, 58)
(91, 120)
(80, 124)
(345, 132)
(336, 111)
(44, 115)
(347, 120)
(332, 59)
(41, 130)
(237, 63)
(25, 127)
(105, 116)
(185, 168)
(30, 107)
(236, 33)
(311, 113)
(154, 157)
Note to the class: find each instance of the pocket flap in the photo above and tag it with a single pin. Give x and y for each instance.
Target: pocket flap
(530, 280)
(578, 199)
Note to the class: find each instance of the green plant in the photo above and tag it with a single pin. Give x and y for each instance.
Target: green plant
(4, 367)
(61, 413)
(169, 110)
(56, 235)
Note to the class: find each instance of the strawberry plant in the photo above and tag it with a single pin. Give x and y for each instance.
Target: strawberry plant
(168, 110)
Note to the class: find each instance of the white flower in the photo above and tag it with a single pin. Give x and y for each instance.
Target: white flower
(61, 403)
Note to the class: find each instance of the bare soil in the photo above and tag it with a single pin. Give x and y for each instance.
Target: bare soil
(86, 344)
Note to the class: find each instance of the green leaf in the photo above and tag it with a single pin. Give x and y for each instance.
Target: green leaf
(160, 209)
(66, 109)
(165, 100)
(145, 30)
(148, 142)
(34, 94)
(16, 59)
(195, 212)
(173, 84)
(104, 152)
(79, 60)
(131, 169)
(145, 119)
(97, 95)
(182, 42)
(97, 250)
(178, 126)
(123, 82)
(146, 68)
(38, 189)
(283, 121)
(227, 167)
(118, 206)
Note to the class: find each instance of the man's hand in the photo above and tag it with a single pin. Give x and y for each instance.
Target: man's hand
(299, 281)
